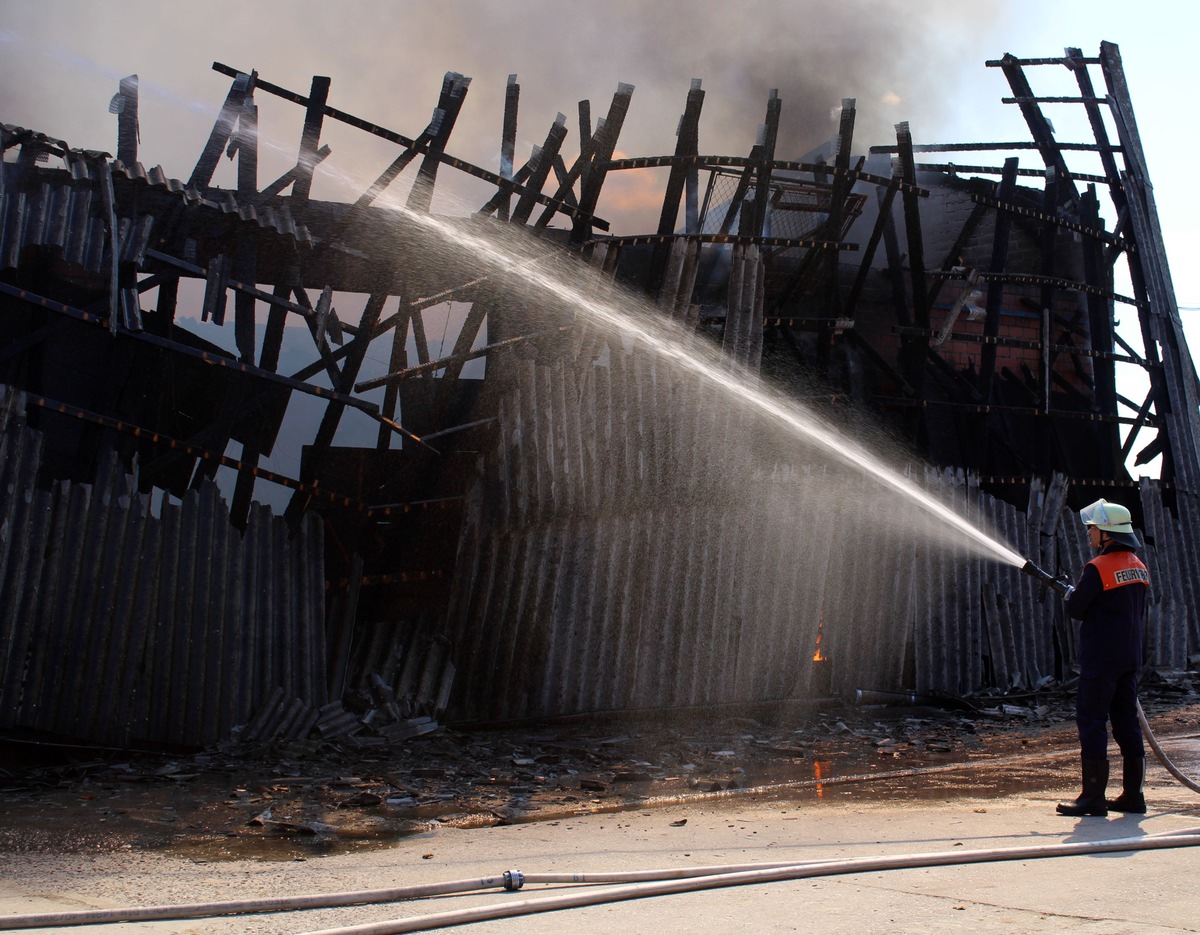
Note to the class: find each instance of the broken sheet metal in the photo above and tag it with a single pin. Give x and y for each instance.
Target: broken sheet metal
(127, 621)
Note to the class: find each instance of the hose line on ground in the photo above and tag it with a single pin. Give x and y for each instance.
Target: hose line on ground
(637, 884)
(508, 880)
(1162, 756)
(795, 872)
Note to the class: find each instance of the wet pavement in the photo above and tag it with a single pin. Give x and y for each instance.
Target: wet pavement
(93, 830)
(281, 804)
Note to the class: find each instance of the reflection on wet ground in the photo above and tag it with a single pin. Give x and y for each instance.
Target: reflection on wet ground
(300, 804)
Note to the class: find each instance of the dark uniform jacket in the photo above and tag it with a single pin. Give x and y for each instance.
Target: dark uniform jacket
(1110, 599)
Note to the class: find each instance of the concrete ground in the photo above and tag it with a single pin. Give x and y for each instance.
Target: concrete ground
(1143, 892)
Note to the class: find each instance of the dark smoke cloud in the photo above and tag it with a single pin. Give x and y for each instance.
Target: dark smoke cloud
(62, 58)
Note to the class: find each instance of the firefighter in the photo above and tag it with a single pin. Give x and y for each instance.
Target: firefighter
(1109, 600)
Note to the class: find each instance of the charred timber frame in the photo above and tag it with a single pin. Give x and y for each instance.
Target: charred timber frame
(1068, 380)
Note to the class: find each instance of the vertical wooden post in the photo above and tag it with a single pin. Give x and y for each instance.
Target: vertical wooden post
(593, 176)
(127, 120)
(310, 138)
(246, 261)
(508, 140)
(687, 144)
(762, 182)
(915, 349)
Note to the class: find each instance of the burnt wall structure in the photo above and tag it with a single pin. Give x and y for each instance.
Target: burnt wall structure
(583, 527)
(133, 623)
(632, 548)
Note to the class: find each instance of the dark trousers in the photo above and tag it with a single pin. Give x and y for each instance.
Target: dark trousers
(1103, 698)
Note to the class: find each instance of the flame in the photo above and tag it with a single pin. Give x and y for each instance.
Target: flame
(817, 657)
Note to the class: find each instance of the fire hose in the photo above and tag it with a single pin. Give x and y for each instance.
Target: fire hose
(638, 884)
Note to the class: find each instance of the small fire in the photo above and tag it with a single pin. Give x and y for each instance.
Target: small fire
(817, 657)
(819, 770)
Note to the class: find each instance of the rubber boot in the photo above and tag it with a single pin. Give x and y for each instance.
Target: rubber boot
(1091, 800)
(1131, 799)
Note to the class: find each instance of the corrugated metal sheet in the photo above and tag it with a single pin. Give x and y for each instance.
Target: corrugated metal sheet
(633, 551)
(63, 210)
(120, 624)
(63, 216)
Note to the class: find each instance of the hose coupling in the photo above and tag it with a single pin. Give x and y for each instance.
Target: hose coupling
(513, 880)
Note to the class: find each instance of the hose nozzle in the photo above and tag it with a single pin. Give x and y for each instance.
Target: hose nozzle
(1057, 583)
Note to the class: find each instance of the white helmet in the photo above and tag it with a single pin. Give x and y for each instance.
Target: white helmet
(1113, 519)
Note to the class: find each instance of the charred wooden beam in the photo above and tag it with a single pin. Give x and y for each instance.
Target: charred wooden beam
(278, 301)
(686, 144)
(212, 359)
(508, 140)
(953, 261)
(783, 242)
(593, 176)
(914, 348)
(1077, 63)
(125, 105)
(1069, 62)
(243, 85)
(956, 378)
(990, 147)
(566, 183)
(1039, 128)
(753, 161)
(1161, 325)
(885, 197)
(951, 168)
(407, 142)
(317, 324)
(504, 193)
(1034, 412)
(431, 366)
(1033, 99)
(542, 162)
(1003, 341)
(290, 177)
(895, 263)
(245, 266)
(562, 176)
(838, 196)
(454, 91)
(1068, 285)
(397, 360)
(344, 384)
(310, 138)
(762, 172)
(1048, 217)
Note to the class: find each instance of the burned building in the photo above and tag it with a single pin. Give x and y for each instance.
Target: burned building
(585, 528)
